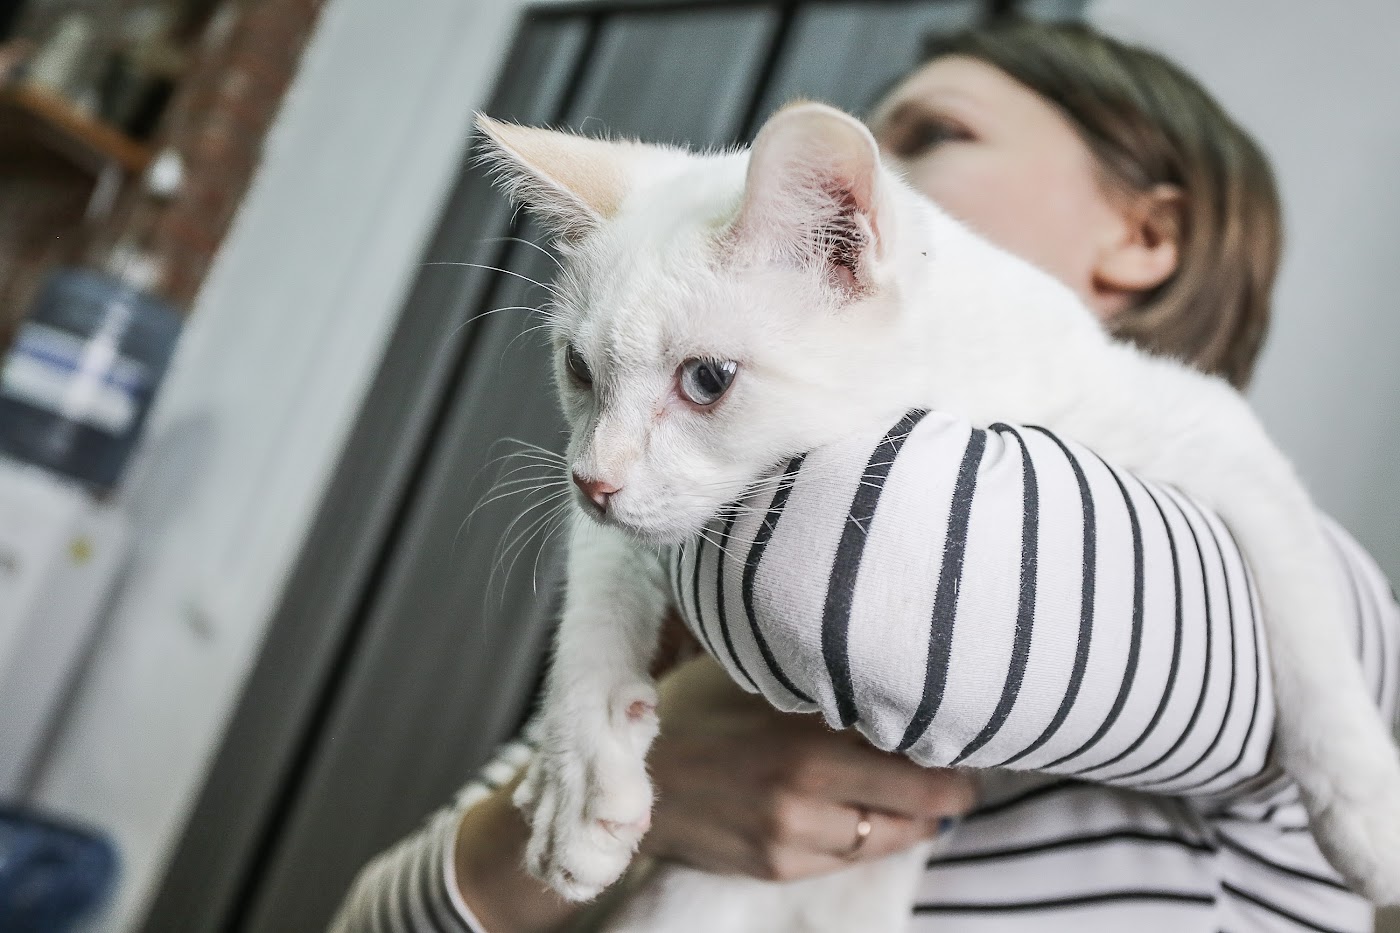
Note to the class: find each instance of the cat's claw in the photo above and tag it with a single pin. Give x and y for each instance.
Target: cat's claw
(581, 842)
(589, 808)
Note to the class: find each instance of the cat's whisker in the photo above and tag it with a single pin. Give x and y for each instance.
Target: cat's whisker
(544, 546)
(518, 542)
(517, 485)
(534, 458)
(712, 538)
(524, 242)
(496, 493)
(477, 265)
(538, 469)
(529, 459)
(523, 486)
(527, 445)
(540, 523)
(547, 325)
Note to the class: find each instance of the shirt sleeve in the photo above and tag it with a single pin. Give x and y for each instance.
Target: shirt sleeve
(411, 887)
(1000, 598)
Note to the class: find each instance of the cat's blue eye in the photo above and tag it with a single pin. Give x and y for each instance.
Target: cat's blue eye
(577, 366)
(704, 382)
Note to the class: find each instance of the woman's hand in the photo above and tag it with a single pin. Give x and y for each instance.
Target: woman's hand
(741, 789)
(744, 789)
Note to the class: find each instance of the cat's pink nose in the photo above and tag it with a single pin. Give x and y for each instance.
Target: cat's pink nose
(597, 491)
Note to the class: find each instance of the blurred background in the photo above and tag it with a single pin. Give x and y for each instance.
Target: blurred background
(248, 395)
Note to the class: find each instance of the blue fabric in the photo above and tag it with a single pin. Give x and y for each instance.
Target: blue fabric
(51, 874)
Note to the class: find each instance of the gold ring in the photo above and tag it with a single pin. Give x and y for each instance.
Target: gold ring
(863, 828)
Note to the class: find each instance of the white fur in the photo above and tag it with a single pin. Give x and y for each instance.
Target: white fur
(714, 255)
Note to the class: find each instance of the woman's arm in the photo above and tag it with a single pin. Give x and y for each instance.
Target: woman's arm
(996, 598)
(1084, 616)
(742, 789)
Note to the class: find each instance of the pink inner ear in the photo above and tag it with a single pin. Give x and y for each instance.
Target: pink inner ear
(842, 240)
(812, 189)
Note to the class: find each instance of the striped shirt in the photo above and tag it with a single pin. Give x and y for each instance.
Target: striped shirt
(1003, 599)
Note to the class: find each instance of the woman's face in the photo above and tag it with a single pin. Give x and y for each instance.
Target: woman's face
(995, 154)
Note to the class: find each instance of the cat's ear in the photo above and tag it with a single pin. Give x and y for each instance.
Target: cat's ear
(815, 186)
(571, 182)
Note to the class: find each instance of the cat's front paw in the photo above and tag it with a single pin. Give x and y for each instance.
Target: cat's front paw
(588, 808)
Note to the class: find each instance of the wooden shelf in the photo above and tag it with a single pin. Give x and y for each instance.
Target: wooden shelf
(33, 120)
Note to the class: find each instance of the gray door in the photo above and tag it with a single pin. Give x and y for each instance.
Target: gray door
(409, 641)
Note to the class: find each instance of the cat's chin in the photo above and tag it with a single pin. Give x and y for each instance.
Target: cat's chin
(658, 537)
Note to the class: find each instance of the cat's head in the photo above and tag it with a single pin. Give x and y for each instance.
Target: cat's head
(718, 312)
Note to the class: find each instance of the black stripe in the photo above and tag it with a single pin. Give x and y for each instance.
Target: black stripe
(1086, 606)
(1235, 845)
(1230, 690)
(1135, 642)
(1276, 909)
(1073, 842)
(695, 598)
(1025, 607)
(423, 872)
(841, 586)
(439, 903)
(1174, 666)
(1077, 900)
(1255, 625)
(1205, 662)
(945, 600)
(760, 543)
(719, 601)
(1027, 796)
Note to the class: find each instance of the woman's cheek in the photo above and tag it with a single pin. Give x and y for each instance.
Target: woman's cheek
(1020, 207)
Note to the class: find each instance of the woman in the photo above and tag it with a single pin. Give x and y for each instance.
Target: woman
(1116, 173)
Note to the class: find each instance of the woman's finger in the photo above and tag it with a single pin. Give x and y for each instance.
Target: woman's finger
(831, 829)
(862, 776)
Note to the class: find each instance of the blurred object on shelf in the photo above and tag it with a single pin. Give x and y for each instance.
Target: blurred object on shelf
(60, 173)
(101, 85)
(141, 73)
(51, 874)
(77, 383)
(63, 62)
(36, 119)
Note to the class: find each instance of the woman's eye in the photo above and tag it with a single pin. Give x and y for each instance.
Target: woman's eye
(578, 367)
(919, 137)
(704, 382)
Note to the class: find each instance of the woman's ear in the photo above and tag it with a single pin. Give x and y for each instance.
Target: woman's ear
(1144, 249)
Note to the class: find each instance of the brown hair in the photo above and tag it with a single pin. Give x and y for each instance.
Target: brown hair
(1149, 123)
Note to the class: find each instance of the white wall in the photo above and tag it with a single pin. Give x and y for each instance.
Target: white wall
(268, 377)
(1318, 84)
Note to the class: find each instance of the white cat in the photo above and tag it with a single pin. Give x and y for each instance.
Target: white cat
(722, 312)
